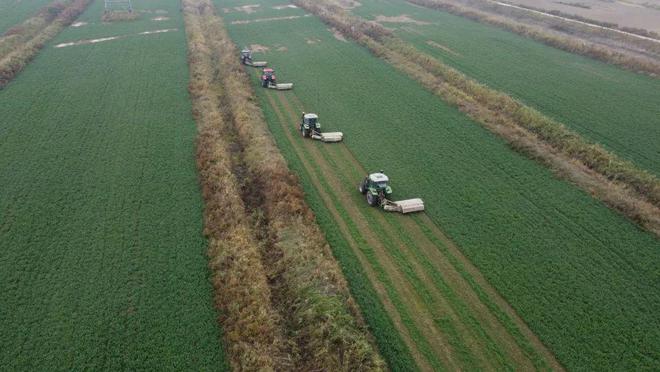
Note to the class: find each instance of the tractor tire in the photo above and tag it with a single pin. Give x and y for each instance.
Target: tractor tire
(304, 133)
(361, 189)
(372, 200)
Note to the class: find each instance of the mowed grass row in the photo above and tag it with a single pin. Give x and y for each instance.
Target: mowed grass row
(582, 277)
(606, 104)
(13, 12)
(102, 258)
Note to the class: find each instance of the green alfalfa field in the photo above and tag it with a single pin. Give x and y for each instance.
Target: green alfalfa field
(14, 12)
(581, 276)
(603, 103)
(102, 257)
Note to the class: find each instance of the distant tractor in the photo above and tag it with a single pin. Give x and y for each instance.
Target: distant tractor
(268, 80)
(378, 192)
(246, 59)
(310, 127)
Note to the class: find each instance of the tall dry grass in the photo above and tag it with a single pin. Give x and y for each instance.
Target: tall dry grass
(252, 328)
(620, 184)
(567, 43)
(307, 287)
(21, 43)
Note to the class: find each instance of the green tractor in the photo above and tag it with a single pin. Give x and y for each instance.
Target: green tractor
(377, 191)
(310, 127)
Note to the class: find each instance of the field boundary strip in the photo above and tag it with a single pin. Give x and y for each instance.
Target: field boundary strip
(233, 249)
(624, 187)
(336, 158)
(320, 323)
(19, 45)
(490, 12)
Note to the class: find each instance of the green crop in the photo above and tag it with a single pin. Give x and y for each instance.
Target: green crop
(102, 257)
(581, 276)
(14, 12)
(605, 104)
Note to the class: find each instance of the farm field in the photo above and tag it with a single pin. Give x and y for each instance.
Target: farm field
(13, 12)
(603, 103)
(559, 258)
(102, 257)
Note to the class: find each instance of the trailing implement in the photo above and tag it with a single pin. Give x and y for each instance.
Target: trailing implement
(378, 193)
(268, 80)
(310, 127)
(246, 59)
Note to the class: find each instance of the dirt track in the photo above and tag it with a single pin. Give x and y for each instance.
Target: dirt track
(446, 312)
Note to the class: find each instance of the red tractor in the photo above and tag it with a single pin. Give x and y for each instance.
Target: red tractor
(268, 80)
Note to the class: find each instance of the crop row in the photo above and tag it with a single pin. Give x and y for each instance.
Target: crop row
(540, 241)
(308, 289)
(604, 104)
(19, 45)
(13, 12)
(102, 257)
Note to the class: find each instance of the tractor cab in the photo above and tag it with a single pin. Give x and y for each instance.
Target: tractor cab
(246, 56)
(378, 181)
(268, 77)
(376, 188)
(309, 124)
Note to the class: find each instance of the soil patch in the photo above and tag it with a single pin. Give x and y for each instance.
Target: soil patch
(288, 6)
(348, 4)
(246, 21)
(403, 18)
(247, 9)
(259, 48)
(158, 31)
(90, 41)
(442, 47)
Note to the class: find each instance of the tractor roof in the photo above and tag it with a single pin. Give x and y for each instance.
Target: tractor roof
(378, 177)
(311, 116)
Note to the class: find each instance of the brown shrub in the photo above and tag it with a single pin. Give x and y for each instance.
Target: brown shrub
(252, 328)
(307, 285)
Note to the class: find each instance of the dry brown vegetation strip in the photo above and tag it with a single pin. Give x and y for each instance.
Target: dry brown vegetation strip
(320, 320)
(21, 43)
(624, 187)
(252, 328)
(569, 43)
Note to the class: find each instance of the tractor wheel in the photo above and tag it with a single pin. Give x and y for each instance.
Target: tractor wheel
(362, 188)
(303, 132)
(372, 200)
